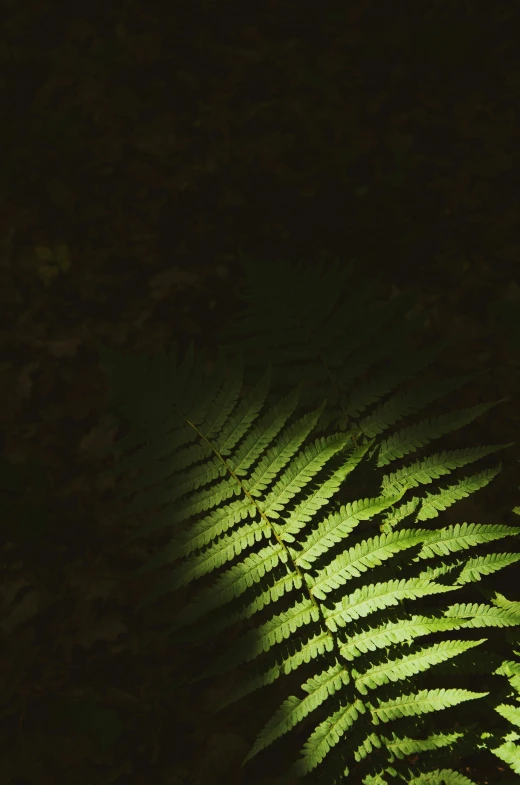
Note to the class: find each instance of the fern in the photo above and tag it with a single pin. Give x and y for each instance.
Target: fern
(508, 748)
(247, 483)
(352, 351)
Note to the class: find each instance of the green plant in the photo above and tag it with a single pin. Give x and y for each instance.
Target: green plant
(507, 749)
(249, 480)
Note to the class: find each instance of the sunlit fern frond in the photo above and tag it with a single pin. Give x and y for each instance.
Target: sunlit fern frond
(246, 486)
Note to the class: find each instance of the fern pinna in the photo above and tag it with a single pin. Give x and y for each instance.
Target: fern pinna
(248, 485)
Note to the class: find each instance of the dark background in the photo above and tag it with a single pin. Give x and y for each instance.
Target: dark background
(143, 146)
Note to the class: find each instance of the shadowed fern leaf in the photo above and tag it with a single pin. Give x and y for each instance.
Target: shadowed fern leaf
(336, 332)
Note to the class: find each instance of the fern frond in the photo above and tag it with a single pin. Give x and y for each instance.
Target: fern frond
(371, 553)
(367, 746)
(294, 710)
(510, 713)
(398, 514)
(404, 747)
(245, 415)
(420, 703)
(261, 436)
(277, 589)
(378, 778)
(223, 551)
(329, 732)
(373, 597)
(460, 536)
(435, 466)
(325, 338)
(384, 380)
(441, 777)
(279, 455)
(486, 565)
(247, 484)
(502, 602)
(431, 573)
(261, 639)
(411, 664)
(391, 632)
(482, 615)
(337, 527)
(232, 584)
(369, 639)
(312, 649)
(300, 473)
(307, 509)
(402, 404)
(415, 436)
(433, 502)
(509, 751)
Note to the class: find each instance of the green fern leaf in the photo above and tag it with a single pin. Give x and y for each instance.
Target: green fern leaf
(511, 713)
(279, 455)
(402, 404)
(338, 526)
(460, 536)
(441, 777)
(307, 509)
(391, 632)
(434, 502)
(435, 466)
(486, 565)
(370, 553)
(316, 646)
(412, 438)
(420, 703)
(232, 583)
(294, 710)
(248, 484)
(327, 734)
(405, 747)
(411, 664)
(373, 597)
(301, 472)
(277, 629)
(509, 752)
(482, 615)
